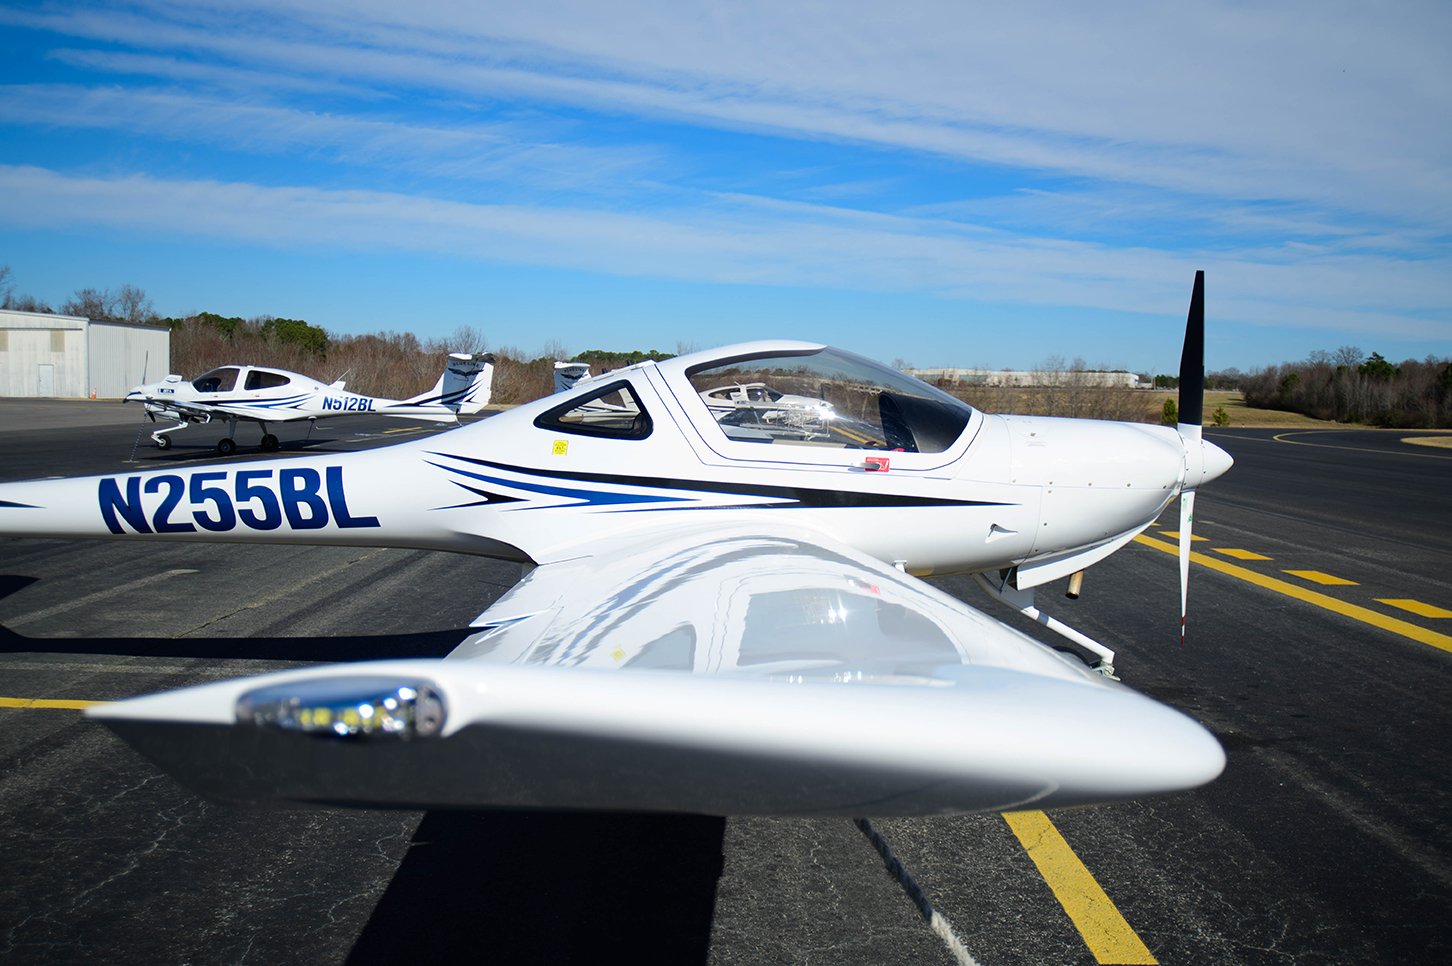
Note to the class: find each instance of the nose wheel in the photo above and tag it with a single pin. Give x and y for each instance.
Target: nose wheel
(161, 437)
(226, 446)
(269, 443)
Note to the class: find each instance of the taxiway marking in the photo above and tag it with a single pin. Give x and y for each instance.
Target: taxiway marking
(1094, 914)
(1318, 577)
(1416, 607)
(1104, 930)
(46, 704)
(1356, 612)
(1175, 535)
(1281, 438)
(1239, 554)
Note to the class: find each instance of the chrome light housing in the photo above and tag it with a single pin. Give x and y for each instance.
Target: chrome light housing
(353, 707)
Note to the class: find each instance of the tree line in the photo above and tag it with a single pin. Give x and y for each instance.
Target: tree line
(1346, 386)
(387, 363)
(1349, 386)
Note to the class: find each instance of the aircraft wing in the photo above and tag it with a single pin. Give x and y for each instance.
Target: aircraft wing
(253, 412)
(707, 670)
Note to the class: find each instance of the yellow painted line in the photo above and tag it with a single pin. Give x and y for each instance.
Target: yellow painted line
(1281, 438)
(1093, 913)
(1364, 614)
(1416, 607)
(1317, 577)
(46, 704)
(1241, 554)
(1175, 535)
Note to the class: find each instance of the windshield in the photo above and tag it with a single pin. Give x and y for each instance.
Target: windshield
(828, 398)
(218, 380)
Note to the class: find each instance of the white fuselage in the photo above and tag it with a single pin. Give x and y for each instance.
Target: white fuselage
(266, 396)
(1047, 495)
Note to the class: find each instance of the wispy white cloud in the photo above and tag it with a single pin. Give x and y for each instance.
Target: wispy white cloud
(1037, 154)
(513, 151)
(1221, 99)
(743, 240)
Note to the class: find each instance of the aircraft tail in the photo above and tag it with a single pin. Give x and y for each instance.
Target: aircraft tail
(569, 373)
(464, 387)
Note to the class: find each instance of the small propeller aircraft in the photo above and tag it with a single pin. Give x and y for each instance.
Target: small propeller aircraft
(711, 620)
(262, 395)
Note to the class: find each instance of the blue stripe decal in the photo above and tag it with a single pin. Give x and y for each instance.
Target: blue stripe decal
(589, 497)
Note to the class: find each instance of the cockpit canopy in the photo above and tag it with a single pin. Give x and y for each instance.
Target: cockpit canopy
(221, 379)
(224, 379)
(827, 397)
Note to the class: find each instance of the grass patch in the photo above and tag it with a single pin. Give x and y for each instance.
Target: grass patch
(1244, 416)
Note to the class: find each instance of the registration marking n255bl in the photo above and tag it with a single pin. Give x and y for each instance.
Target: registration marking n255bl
(220, 501)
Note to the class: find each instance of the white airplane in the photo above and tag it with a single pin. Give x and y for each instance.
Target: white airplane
(707, 623)
(262, 395)
(752, 408)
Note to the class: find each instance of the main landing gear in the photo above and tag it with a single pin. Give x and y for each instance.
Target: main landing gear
(227, 445)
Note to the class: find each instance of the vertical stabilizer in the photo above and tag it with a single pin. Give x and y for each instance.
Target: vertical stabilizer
(465, 386)
(569, 373)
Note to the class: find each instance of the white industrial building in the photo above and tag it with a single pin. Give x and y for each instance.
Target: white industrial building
(1025, 378)
(68, 357)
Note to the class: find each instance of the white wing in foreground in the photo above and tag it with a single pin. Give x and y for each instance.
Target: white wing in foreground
(720, 672)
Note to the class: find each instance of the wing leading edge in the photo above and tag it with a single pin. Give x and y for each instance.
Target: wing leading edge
(720, 672)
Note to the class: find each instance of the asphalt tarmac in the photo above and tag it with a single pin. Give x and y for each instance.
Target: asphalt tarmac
(1326, 840)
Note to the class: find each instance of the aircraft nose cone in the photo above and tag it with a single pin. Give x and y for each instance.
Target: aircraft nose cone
(1216, 461)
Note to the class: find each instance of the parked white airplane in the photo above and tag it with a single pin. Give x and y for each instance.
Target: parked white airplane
(752, 408)
(708, 623)
(262, 395)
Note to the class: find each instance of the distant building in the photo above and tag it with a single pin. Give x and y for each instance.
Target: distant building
(1022, 378)
(68, 357)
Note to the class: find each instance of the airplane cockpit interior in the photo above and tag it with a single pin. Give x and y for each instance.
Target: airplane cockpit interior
(827, 397)
(221, 379)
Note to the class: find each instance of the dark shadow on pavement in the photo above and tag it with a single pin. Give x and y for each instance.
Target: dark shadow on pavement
(355, 648)
(515, 887)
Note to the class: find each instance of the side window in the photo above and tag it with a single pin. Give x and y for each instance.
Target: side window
(612, 411)
(257, 379)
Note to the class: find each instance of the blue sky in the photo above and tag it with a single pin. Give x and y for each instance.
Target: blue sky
(948, 183)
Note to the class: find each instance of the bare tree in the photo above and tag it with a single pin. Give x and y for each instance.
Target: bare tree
(130, 304)
(554, 350)
(126, 304)
(89, 303)
(1349, 355)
